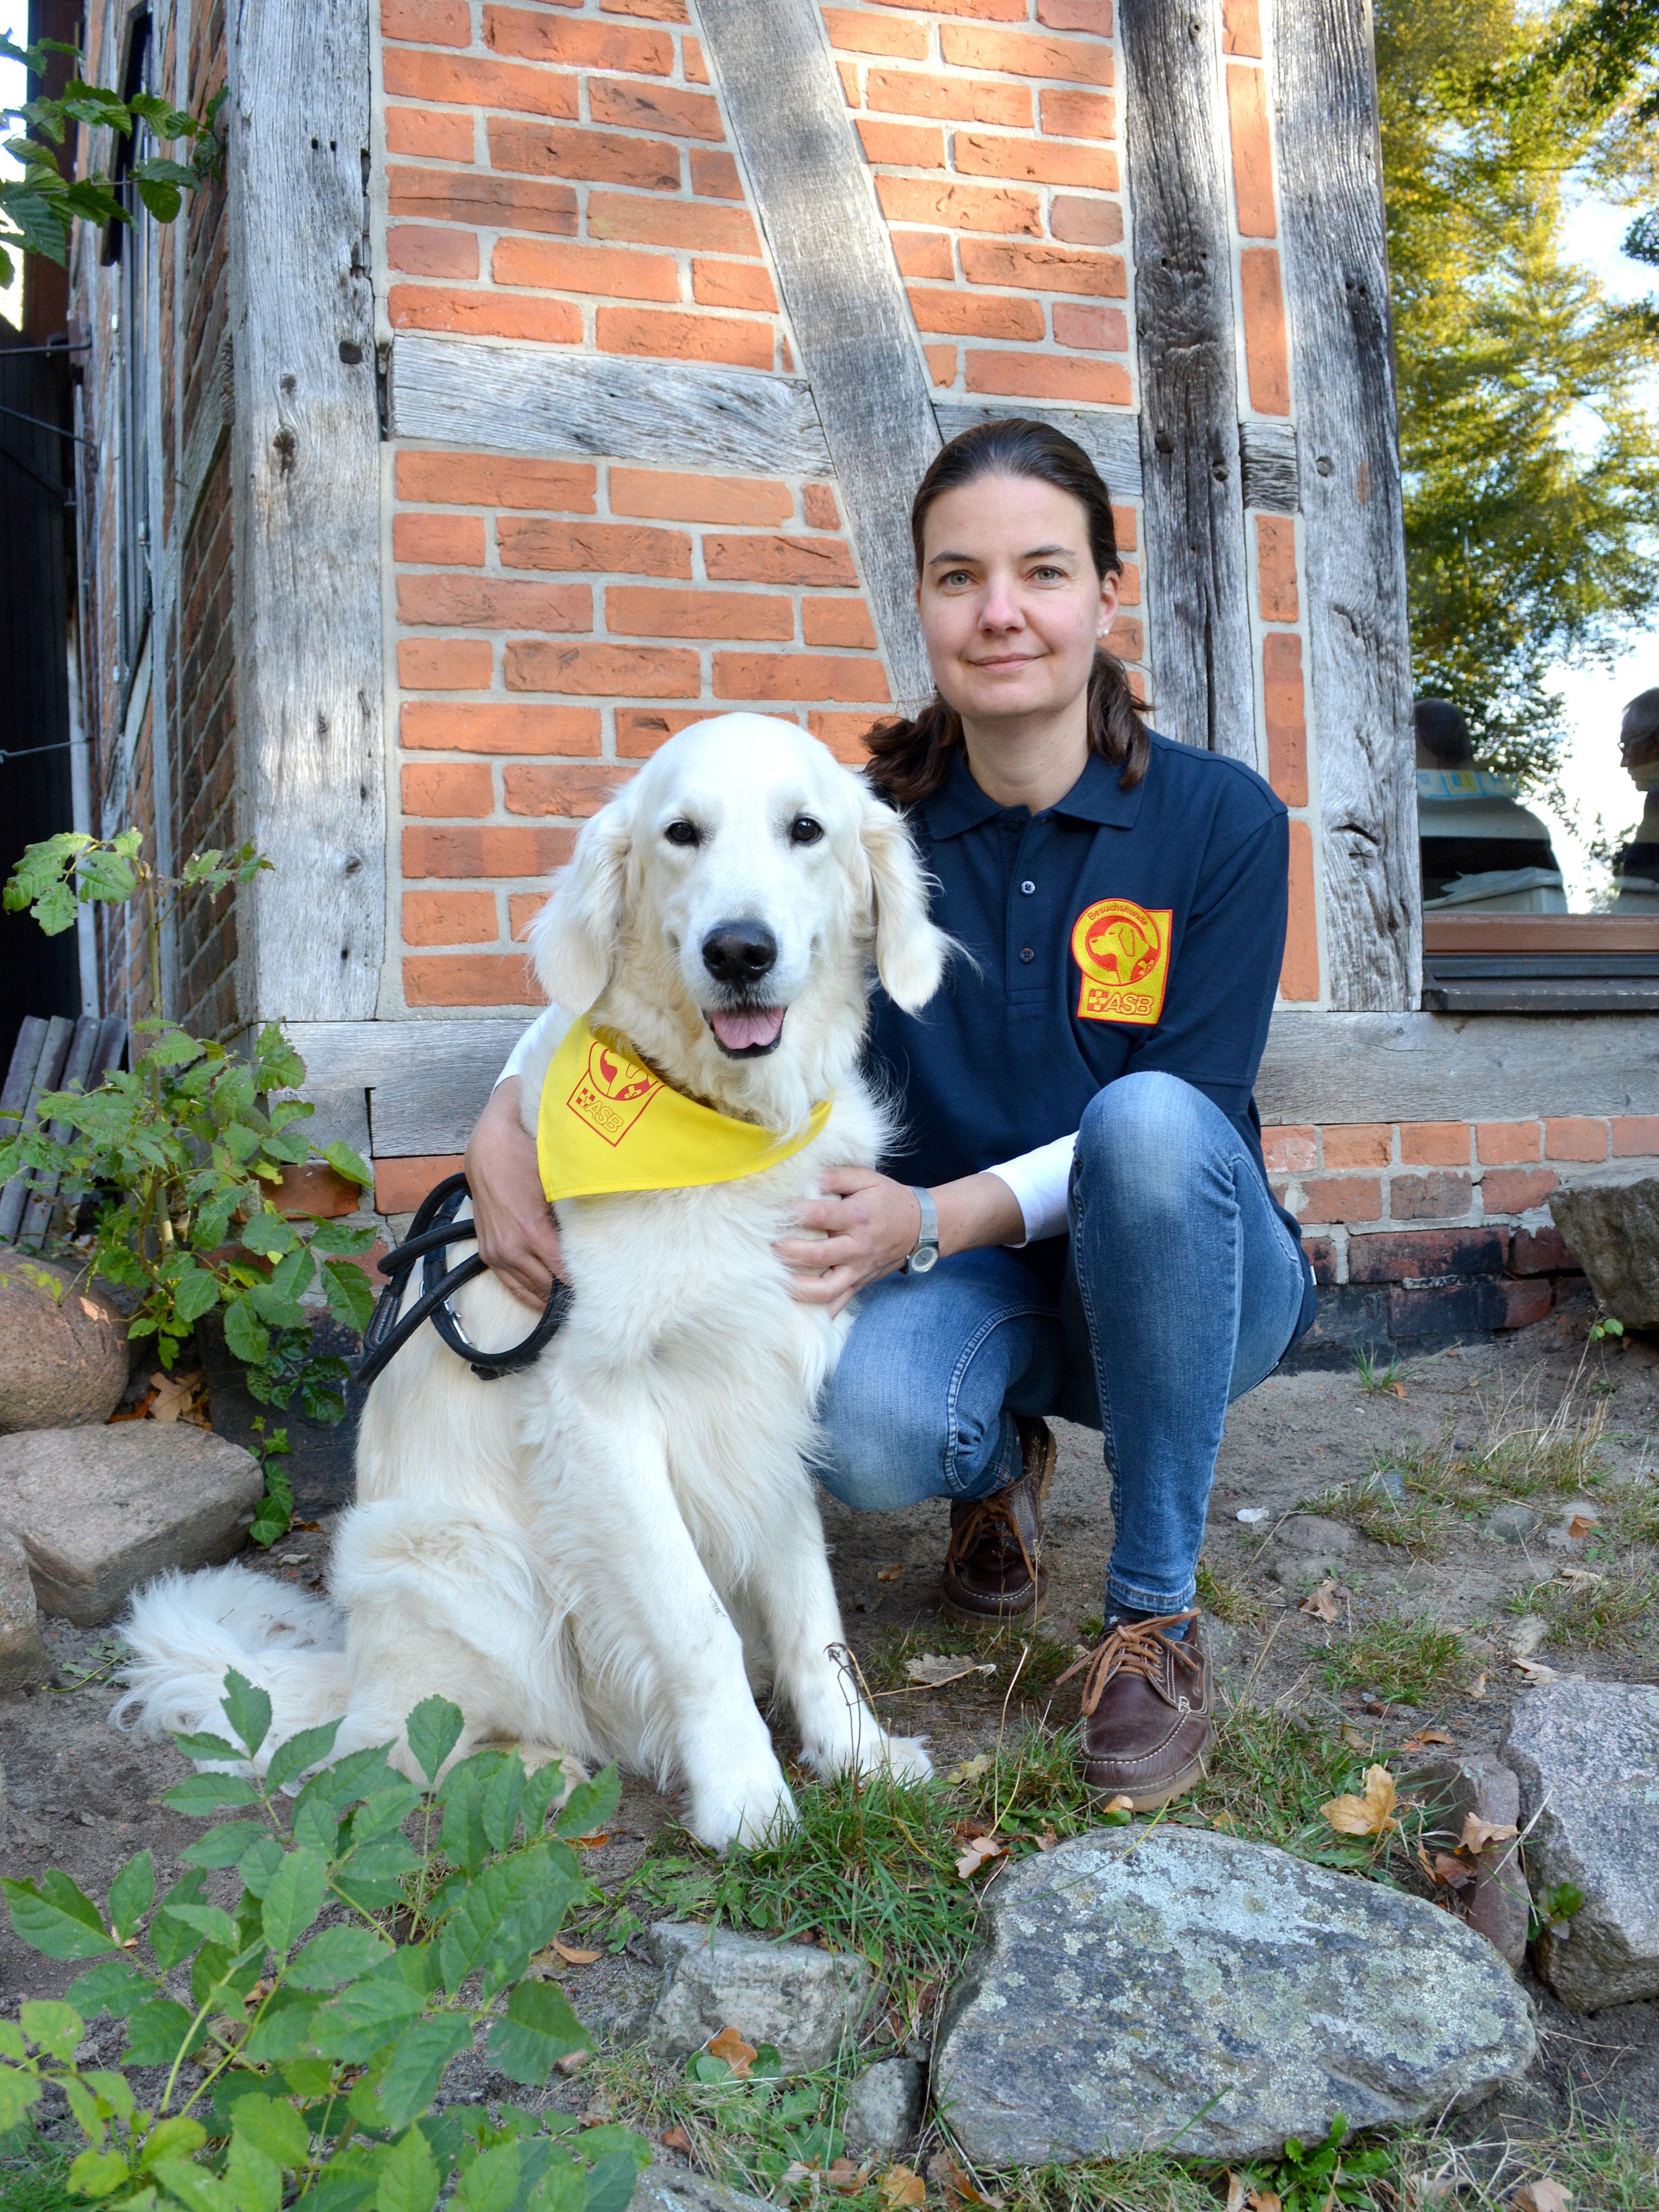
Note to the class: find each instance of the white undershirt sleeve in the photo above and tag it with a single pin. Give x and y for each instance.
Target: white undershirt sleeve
(521, 1051)
(1040, 1182)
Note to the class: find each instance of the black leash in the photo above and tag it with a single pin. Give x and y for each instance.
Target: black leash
(431, 1233)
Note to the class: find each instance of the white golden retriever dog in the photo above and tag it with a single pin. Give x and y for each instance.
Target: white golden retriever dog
(597, 1557)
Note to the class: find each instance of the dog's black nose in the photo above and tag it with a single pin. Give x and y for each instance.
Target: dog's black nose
(739, 951)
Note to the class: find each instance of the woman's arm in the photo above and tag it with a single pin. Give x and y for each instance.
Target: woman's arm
(518, 1236)
(870, 1225)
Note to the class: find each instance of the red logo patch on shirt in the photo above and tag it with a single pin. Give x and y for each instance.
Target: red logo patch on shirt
(1123, 951)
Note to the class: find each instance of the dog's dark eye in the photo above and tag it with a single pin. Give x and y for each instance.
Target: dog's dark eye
(803, 830)
(682, 833)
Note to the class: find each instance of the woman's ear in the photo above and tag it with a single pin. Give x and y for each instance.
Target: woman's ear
(910, 953)
(572, 940)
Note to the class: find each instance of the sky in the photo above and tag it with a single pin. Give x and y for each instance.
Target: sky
(1595, 785)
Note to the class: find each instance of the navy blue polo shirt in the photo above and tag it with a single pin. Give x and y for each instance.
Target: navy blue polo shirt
(1114, 932)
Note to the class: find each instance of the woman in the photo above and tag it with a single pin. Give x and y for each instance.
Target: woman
(1079, 1221)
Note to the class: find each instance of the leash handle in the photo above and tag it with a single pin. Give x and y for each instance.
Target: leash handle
(432, 1231)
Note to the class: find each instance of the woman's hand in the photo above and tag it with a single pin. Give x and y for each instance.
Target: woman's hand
(517, 1236)
(870, 1225)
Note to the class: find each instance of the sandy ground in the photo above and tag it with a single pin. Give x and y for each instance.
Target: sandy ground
(85, 1799)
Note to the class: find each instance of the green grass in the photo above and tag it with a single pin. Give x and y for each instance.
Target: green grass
(1619, 1613)
(34, 2175)
(1027, 1651)
(1229, 1600)
(1605, 2164)
(1372, 1379)
(1407, 1661)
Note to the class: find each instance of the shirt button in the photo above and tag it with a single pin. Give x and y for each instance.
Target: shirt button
(1028, 888)
(1026, 953)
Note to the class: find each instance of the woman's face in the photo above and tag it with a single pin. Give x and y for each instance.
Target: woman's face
(1011, 606)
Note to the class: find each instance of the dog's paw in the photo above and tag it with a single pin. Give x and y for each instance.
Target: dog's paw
(907, 1759)
(731, 1812)
(860, 1745)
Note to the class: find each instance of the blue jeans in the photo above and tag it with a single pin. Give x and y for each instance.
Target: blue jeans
(1181, 1290)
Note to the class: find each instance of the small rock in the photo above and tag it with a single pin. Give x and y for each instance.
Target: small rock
(665, 2186)
(884, 2109)
(1149, 1988)
(1388, 1481)
(1588, 1757)
(1496, 1905)
(1513, 1524)
(1312, 1533)
(794, 1995)
(66, 1346)
(1610, 1227)
(23, 1659)
(101, 1510)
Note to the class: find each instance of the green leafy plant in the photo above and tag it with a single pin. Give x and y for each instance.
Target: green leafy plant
(41, 206)
(1374, 1381)
(275, 1515)
(1556, 1908)
(1320, 2177)
(1604, 1326)
(179, 1152)
(313, 2047)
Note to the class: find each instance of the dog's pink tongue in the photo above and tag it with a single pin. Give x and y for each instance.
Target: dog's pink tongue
(738, 1032)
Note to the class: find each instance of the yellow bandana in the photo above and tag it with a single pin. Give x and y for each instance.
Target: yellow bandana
(607, 1124)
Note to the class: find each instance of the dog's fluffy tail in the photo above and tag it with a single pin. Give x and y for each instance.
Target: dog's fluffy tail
(186, 1633)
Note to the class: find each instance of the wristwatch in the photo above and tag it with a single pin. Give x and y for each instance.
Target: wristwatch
(925, 1253)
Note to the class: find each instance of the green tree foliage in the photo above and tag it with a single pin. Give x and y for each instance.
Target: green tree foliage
(312, 2046)
(40, 209)
(1531, 463)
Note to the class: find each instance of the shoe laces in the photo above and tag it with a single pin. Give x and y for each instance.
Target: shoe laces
(1134, 1647)
(991, 1519)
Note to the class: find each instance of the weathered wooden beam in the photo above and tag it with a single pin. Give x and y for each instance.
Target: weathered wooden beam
(1196, 591)
(208, 429)
(1336, 282)
(526, 400)
(1268, 456)
(1112, 441)
(306, 444)
(842, 287)
(404, 1089)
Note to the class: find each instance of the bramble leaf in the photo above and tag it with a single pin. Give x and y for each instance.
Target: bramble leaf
(294, 1897)
(131, 1894)
(57, 1920)
(434, 1730)
(308, 1749)
(247, 1709)
(539, 2028)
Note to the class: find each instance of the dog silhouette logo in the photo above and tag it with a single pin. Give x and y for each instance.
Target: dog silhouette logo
(612, 1091)
(1122, 950)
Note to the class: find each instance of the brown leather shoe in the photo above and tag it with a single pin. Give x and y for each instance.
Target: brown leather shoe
(994, 1569)
(1146, 1714)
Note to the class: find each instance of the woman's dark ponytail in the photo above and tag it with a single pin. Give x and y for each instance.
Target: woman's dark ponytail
(910, 760)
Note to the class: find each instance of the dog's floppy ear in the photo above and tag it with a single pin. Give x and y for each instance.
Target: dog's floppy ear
(574, 936)
(910, 953)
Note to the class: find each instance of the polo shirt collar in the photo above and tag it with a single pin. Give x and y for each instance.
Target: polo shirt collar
(1096, 796)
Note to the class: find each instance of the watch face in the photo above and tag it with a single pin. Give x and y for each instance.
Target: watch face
(924, 1257)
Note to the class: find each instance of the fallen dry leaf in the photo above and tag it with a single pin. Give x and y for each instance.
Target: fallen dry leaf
(730, 2045)
(1369, 1815)
(961, 2188)
(901, 2186)
(1478, 1834)
(1399, 1390)
(934, 1670)
(847, 2177)
(1543, 2195)
(1478, 1688)
(889, 1574)
(974, 1853)
(1581, 1579)
(1048, 1840)
(1268, 2201)
(797, 2172)
(1322, 1603)
(1119, 1805)
(1235, 2191)
(675, 2139)
(1424, 1738)
(171, 1395)
(1580, 1527)
(1451, 1871)
(970, 1769)
(573, 1957)
(1534, 1672)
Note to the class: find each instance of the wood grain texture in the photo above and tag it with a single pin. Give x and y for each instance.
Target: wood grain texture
(306, 489)
(407, 1088)
(842, 287)
(1196, 585)
(208, 429)
(1327, 1067)
(1112, 441)
(524, 399)
(1359, 673)
(1267, 459)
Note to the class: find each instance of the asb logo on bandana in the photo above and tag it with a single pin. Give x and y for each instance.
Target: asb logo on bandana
(1123, 951)
(612, 1091)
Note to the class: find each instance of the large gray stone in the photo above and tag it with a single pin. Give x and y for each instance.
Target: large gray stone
(665, 2186)
(101, 1510)
(65, 1346)
(1588, 1757)
(1496, 1903)
(1610, 1223)
(23, 1660)
(794, 1995)
(884, 2108)
(1166, 1988)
